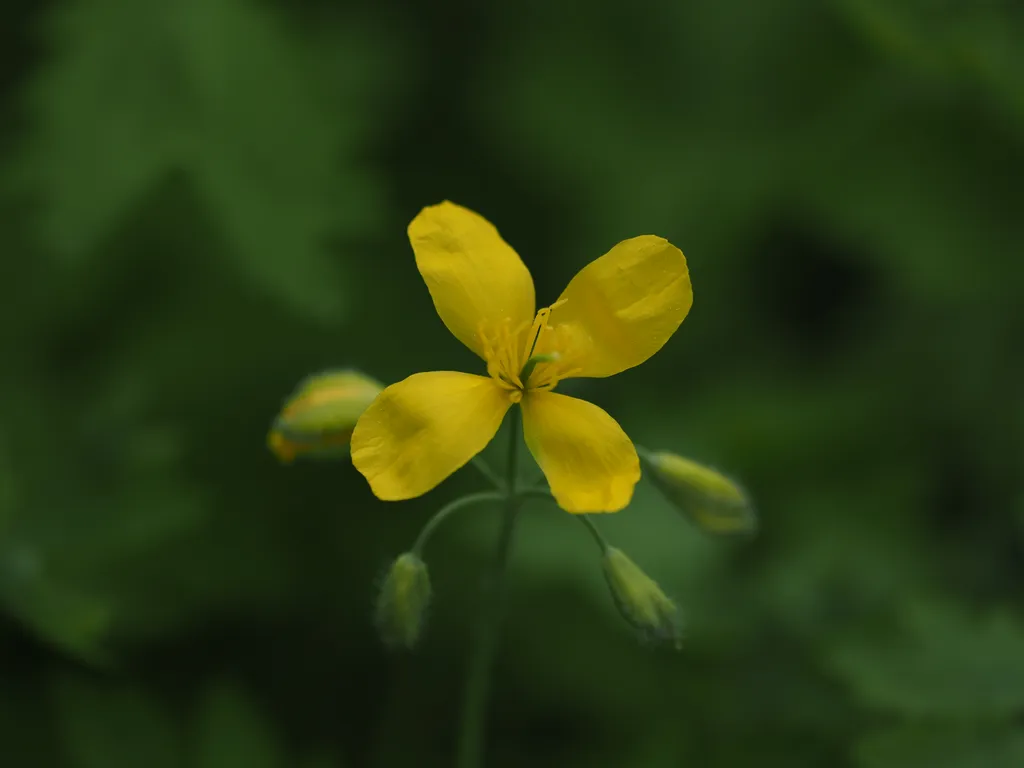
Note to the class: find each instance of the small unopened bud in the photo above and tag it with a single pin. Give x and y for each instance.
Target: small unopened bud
(403, 601)
(640, 600)
(713, 502)
(317, 419)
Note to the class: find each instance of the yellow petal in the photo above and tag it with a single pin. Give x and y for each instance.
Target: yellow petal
(590, 463)
(478, 283)
(420, 430)
(620, 309)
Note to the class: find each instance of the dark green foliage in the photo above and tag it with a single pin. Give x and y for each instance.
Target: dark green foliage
(204, 201)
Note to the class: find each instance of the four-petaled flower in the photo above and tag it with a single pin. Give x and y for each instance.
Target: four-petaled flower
(615, 313)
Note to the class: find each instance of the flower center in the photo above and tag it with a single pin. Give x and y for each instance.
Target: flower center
(510, 356)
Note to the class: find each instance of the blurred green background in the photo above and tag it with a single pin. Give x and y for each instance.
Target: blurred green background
(202, 201)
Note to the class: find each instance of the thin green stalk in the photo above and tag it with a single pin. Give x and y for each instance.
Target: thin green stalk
(455, 506)
(487, 472)
(536, 492)
(585, 519)
(478, 677)
(544, 493)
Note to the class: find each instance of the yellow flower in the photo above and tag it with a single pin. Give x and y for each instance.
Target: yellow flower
(617, 312)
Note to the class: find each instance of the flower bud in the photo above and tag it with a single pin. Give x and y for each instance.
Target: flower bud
(640, 599)
(403, 601)
(713, 502)
(317, 419)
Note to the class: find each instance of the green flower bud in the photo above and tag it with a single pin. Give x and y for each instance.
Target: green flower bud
(640, 599)
(317, 419)
(403, 601)
(713, 502)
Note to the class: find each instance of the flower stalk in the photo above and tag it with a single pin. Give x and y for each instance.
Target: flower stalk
(478, 677)
(442, 515)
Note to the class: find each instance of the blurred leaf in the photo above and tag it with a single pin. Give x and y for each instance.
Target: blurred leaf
(647, 144)
(61, 614)
(972, 41)
(945, 664)
(942, 746)
(639, 141)
(99, 492)
(233, 733)
(104, 724)
(223, 92)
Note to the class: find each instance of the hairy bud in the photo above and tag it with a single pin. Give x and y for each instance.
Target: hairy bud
(640, 600)
(403, 601)
(710, 500)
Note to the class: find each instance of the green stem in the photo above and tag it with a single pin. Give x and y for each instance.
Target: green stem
(478, 678)
(544, 493)
(535, 492)
(487, 472)
(455, 506)
(585, 519)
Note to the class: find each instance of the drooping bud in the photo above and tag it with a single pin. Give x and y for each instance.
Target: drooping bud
(403, 601)
(712, 501)
(317, 419)
(640, 600)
